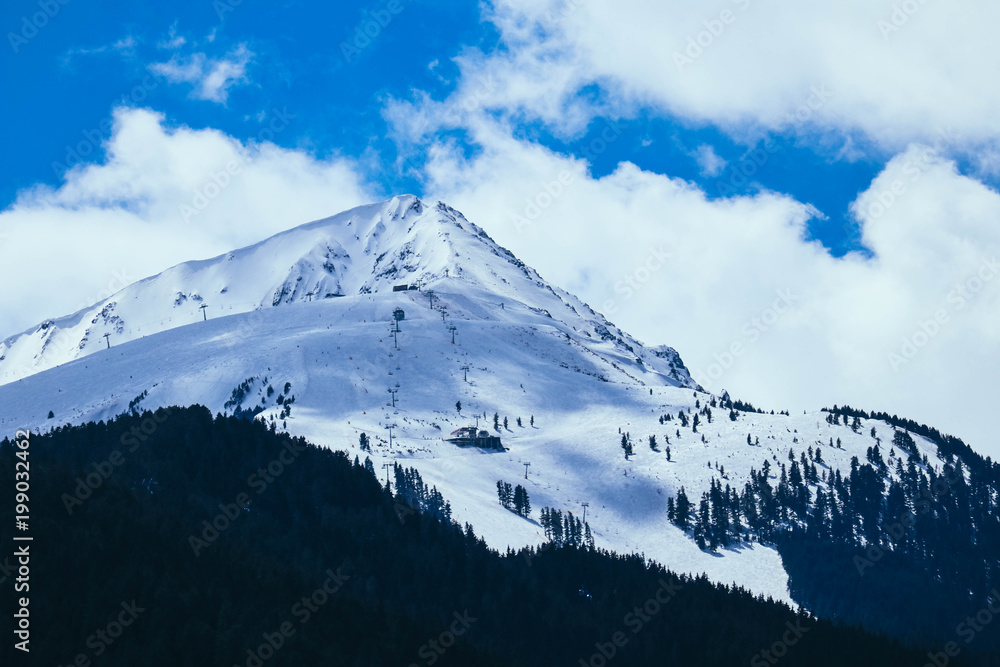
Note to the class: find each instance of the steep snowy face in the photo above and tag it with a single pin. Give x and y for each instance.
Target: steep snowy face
(366, 250)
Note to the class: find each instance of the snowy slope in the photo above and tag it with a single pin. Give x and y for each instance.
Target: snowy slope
(541, 354)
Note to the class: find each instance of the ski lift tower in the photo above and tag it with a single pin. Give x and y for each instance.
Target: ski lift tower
(394, 329)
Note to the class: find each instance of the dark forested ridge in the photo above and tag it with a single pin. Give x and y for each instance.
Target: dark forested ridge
(187, 539)
(897, 544)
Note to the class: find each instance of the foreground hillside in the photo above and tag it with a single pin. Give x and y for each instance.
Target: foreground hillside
(210, 561)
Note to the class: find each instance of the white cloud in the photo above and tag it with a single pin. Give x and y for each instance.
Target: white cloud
(709, 161)
(126, 212)
(173, 40)
(124, 46)
(748, 75)
(212, 78)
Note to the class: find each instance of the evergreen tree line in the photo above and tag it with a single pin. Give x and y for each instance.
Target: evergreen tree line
(412, 491)
(949, 447)
(565, 529)
(933, 533)
(514, 499)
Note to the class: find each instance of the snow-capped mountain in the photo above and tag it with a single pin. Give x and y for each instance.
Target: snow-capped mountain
(367, 250)
(297, 330)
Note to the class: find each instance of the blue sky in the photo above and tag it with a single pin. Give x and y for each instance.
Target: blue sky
(580, 134)
(83, 63)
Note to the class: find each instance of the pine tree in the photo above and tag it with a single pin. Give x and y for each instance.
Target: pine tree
(505, 494)
(682, 510)
(519, 421)
(458, 407)
(525, 502)
(532, 420)
(505, 424)
(703, 525)
(626, 446)
(652, 443)
(496, 421)
(554, 525)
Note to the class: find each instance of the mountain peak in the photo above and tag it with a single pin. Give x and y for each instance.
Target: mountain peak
(367, 250)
